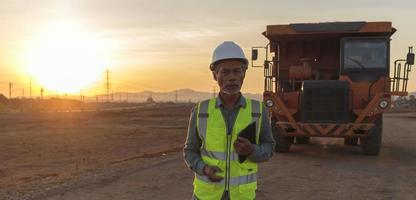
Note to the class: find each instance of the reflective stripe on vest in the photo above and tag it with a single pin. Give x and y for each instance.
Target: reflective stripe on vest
(219, 155)
(202, 119)
(239, 180)
(256, 115)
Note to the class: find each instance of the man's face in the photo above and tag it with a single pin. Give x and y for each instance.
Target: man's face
(230, 76)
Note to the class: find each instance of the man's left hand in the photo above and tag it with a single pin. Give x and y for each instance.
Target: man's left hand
(243, 146)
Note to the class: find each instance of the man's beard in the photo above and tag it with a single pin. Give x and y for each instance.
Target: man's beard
(232, 92)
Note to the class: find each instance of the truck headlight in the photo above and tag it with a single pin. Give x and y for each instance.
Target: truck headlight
(383, 104)
(269, 103)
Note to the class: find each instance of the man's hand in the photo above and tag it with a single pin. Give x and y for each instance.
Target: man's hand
(210, 171)
(243, 146)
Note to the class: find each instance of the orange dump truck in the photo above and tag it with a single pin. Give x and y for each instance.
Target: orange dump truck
(331, 80)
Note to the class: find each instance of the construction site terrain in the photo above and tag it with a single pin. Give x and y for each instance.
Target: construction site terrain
(136, 153)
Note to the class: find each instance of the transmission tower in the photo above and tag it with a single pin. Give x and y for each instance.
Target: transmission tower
(41, 93)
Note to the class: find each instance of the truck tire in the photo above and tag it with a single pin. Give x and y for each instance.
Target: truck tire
(372, 143)
(282, 142)
(302, 140)
(351, 141)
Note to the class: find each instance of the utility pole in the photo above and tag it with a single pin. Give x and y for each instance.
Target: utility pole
(30, 87)
(10, 90)
(107, 84)
(100, 97)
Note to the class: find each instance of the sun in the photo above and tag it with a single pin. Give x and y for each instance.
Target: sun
(65, 57)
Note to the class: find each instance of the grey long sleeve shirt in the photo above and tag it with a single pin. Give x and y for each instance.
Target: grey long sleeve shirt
(262, 151)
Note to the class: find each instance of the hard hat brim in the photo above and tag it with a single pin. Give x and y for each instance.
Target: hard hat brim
(214, 64)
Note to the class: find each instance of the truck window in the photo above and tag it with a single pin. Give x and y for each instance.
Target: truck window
(365, 54)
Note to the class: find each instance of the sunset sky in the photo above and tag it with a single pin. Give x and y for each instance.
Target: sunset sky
(159, 45)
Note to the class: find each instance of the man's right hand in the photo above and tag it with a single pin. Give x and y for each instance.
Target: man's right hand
(210, 171)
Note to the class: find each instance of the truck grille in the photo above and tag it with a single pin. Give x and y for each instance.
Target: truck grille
(325, 101)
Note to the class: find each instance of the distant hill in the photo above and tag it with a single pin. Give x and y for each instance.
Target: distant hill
(181, 95)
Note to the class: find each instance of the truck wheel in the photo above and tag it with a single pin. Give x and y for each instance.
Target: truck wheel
(351, 141)
(282, 142)
(372, 143)
(302, 140)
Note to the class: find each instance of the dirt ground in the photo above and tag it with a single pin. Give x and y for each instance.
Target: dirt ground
(136, 154)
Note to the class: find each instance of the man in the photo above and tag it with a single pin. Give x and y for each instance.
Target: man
(213, 147)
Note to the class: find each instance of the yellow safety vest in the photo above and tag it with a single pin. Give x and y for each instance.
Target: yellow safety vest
(217, 149)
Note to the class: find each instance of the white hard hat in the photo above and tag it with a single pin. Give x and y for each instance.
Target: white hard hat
(227, 50)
